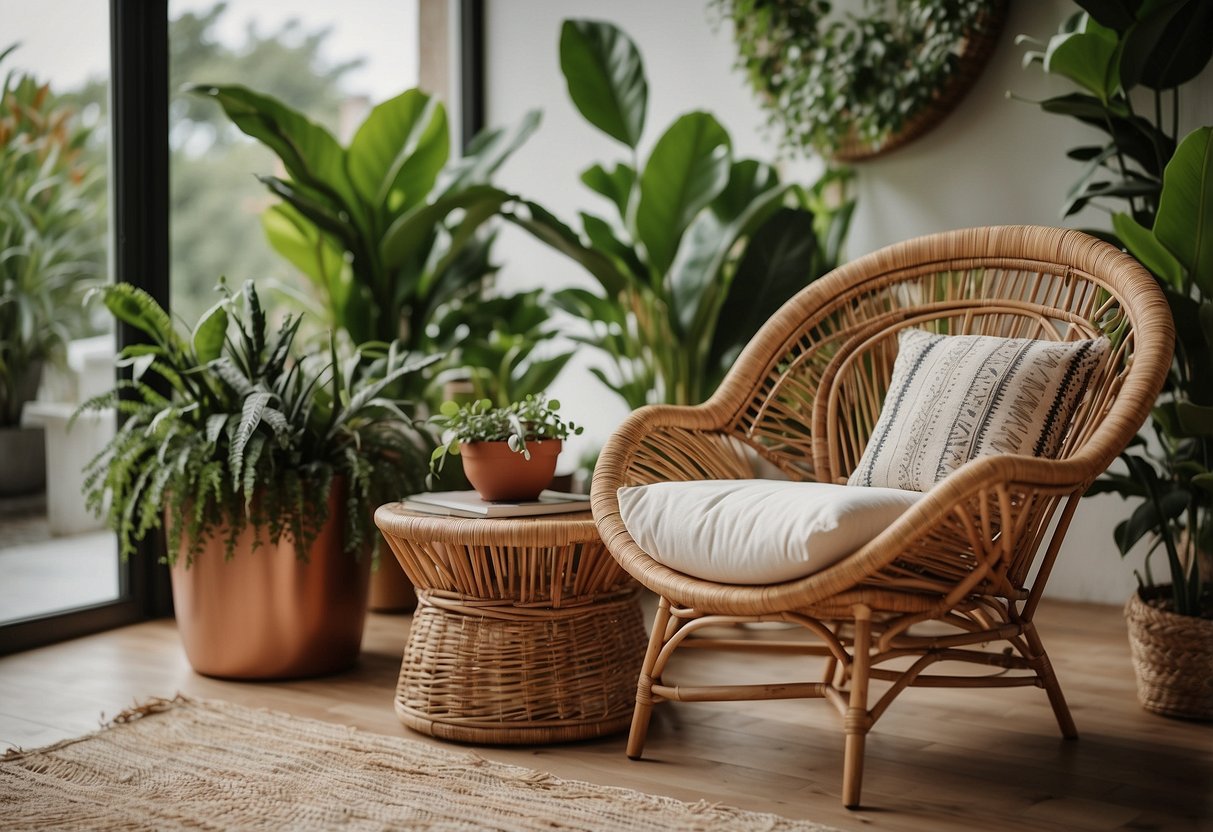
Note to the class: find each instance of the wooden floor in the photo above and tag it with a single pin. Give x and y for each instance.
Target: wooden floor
(938, 760)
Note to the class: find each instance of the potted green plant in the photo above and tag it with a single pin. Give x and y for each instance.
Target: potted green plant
(503, 346)
(51, 247)
(704, 247)
(509, 452)
(1119, 53)
(264, 465)
(387, 228)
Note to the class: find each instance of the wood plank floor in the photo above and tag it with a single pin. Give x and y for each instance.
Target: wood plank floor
(938, 760)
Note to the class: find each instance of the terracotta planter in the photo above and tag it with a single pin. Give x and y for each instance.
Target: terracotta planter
(497, 473)
(1173, 659)
(391, 590)
(266, 613)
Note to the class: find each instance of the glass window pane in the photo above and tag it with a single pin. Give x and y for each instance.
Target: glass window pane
(54, 352)
(330, 61)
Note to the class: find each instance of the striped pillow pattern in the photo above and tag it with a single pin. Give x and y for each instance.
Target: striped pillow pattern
(956, 397)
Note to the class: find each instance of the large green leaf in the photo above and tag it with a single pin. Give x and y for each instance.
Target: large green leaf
(1143, 245)
(778, 263)
(210, 332)
(548, 229)
(328, 218)
(299, 241)
(397, 153)
(602, 237)
(308, 151)
(1145, 44)
(1185, 211)
(1192, 343)
(689, 167)
(137, 308)
(407, 236)
(748, 178)
(1115, 14)
(616, 185)
(605, 75)
(696, 282)
(486, 153)
(1145, 518)
(1184, 48)
(1087, 57)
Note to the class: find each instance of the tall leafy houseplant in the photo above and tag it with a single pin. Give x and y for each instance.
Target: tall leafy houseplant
(249, 433)
(51, 241)
(1131, 60)
(500, 347)
(386, 228)
(703, 247)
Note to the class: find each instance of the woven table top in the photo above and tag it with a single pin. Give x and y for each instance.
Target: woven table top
(545, 530)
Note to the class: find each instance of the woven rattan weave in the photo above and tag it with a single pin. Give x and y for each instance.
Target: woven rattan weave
(1173, 658)
(804, 397)
(526, 630)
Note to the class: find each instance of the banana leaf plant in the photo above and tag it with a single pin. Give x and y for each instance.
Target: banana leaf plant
(388, 229)
(1120, 52)
(703, 247)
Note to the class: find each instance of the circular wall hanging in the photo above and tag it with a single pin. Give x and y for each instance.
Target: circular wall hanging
(856, 86)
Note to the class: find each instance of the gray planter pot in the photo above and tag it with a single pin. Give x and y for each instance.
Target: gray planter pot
(24, 453)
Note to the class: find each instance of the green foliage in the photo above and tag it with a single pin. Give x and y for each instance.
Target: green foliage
(704, 246)
(1110, 50)
(531, 419)
(51, 241)
(380, 227)
(497, 345)
(228, 425)
(827, 80)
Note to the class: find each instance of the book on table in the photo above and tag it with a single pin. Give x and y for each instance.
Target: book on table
(469, 504)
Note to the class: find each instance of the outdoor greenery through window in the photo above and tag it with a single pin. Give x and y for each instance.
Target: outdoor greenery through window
(330, 62)
(54, 352)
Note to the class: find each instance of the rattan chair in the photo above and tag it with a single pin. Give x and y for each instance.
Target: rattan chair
(963, 555)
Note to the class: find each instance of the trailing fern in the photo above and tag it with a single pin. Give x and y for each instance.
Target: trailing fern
(227, 426)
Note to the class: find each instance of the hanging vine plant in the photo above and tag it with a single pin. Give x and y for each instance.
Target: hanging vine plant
(853, 86)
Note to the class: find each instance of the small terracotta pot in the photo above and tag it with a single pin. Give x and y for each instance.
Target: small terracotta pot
(266, 613)
(497, 473)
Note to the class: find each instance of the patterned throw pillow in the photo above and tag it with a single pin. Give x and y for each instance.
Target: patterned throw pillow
(956, 397)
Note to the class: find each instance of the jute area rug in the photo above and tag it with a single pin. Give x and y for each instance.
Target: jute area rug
(187, 763)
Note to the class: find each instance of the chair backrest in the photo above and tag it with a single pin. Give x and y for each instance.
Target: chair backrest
(808, 389)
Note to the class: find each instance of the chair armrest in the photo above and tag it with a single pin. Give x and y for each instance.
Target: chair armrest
(982, 524)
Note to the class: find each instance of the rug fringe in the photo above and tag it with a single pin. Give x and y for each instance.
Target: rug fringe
(152, 705)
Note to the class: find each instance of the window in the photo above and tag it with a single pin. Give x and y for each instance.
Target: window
(55, 242)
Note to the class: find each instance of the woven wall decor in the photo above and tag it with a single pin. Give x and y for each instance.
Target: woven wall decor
(854, 86)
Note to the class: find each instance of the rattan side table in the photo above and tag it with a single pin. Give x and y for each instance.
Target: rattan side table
(526, 629)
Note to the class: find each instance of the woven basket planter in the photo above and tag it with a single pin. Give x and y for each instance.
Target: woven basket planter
(1173, 658)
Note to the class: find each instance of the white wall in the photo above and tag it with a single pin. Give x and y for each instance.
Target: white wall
(994, 160)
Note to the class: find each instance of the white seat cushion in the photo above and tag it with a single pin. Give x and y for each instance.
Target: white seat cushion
(756, 531)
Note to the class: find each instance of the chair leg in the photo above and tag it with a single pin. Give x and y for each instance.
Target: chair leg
(1044, 669)
(857, 721)
(644, 685)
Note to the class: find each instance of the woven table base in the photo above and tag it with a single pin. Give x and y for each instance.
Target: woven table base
(492, 673)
